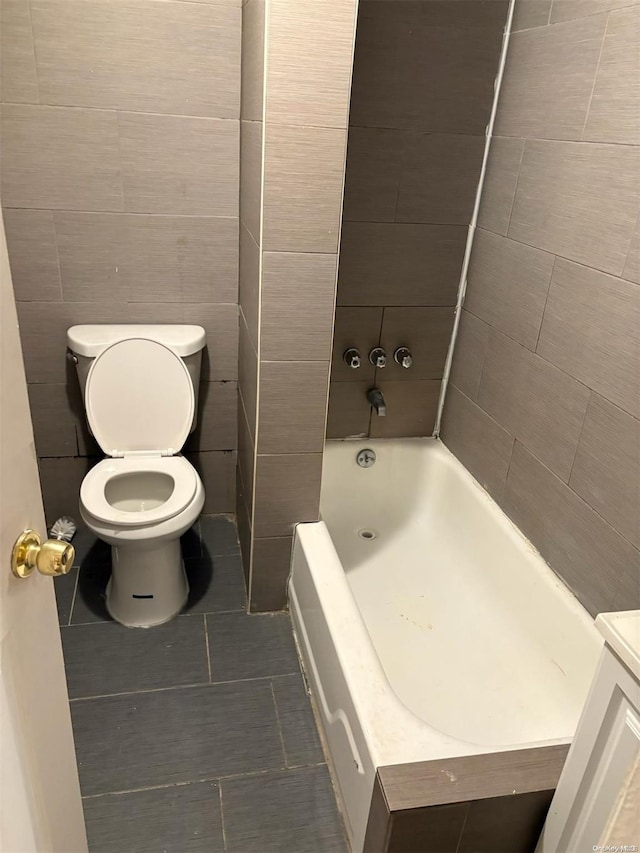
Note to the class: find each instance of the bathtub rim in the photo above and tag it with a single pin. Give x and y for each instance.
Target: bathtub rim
(373, 697)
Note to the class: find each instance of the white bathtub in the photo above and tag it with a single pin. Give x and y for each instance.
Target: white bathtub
(445, 635)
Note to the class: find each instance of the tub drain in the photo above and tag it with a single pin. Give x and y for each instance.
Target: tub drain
(365, 533)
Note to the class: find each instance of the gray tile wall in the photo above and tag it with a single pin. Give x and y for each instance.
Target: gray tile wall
(544, 401)
(422, 93)
(120, 176)
(293, 139)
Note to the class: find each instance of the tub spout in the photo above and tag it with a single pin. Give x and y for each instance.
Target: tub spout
(376, 399)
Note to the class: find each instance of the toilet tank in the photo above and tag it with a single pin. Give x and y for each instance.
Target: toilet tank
(87, 342)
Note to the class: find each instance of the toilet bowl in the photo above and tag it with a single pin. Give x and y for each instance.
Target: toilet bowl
(140, 403)
(141, 508)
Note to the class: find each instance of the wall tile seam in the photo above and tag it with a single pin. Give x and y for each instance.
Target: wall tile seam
(242, 498)
(269, 123)
(591, 391)
(54, 210)
(395, 305)
(121, 181)
(532, 28)
(152, 303)
(339, 243)
(56, 241)
(595, 78)
(500, 493)
(300, 360)
(120, 111)
(92, 457)
(115, 111)
(246, 228)
(557, 256)
(566, 140)
(419, 131)
(578, 442)
(296, 252)
(185, 303)
(491, 418)
(322, 361)
(624, 4)
(77, 455)
(275, 251)
(413, 131)
(634, 231)
(246, 327)
(568, 486)
(588, 387)
(244, 412)
(35, 53)
(574, 21)
(287, 455)
(189, 451)
(124, 303)
(236, 4)
(251, 508)
(544, 309)
(180, 301)
(246, 420)
(515, 189)
(397, 221)
(276, 538)
(473, 224)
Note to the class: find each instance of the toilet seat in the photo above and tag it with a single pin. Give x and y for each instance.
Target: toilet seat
(139, 399)
(94, 500)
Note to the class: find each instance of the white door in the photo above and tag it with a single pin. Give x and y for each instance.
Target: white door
(41, 810)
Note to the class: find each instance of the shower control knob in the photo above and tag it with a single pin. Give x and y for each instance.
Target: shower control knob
(403, 357)
(352, 358)
(378, 357)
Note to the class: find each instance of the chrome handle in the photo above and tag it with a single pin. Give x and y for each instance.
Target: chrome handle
(378, 357)
(403, 357)
(352, 358)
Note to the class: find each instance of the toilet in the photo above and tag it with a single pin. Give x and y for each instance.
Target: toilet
(139, 385)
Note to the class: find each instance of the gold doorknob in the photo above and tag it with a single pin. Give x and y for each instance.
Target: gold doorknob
(53, 557)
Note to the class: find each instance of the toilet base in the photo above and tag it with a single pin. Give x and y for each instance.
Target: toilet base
(147, 587)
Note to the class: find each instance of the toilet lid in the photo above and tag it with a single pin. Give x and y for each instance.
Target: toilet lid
(139, 397)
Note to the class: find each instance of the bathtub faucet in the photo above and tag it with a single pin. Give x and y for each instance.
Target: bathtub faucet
(376, 400)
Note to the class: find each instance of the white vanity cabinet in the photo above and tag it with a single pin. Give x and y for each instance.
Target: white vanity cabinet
(596, 805)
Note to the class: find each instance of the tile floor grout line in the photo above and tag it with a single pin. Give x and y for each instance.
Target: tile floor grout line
(143, 691)
(206, 642)
(275, 707)
(184, 613)
(228, 777)
(189, 686)
(224, 833)
(212, 612)
(212, 556)
(201, 781)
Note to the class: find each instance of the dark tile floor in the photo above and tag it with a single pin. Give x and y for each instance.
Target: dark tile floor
(196, 736)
